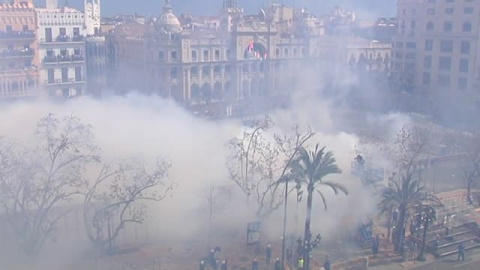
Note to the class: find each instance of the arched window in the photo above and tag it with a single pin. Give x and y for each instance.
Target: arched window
(430, 26)
(467, 27)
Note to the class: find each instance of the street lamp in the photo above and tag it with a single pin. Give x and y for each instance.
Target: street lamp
(285, 179)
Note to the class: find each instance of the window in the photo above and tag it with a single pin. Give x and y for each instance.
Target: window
(443, 80)
(462, 83)
(25, 28)
(173, 55)
(64, 74)
(217, 54)
(411, 45)
(468, 10)
(449, 11)
(78, 74)
(426, 78)
(410, 56)
(51, 75)
(63, 31)
(430, 11)
(49, 53)
(398, 55)
(448, 26)
(76, 52)
(304, 52)
(194, 56)
(65, 92)
(466, 27)
(9, 28)
(428, 45)
(206, 71)
(205, 55)
(427, 61)
(399, 44)
(277, 52)
(76, 31)
(445, 63)
(412, 24)
(294, 52)
(217, 70)
(465, 47)
(430, 26)
(161, 56)
(174, 73)
(446, 46)
(285, 52)
(194, 71)
(463, 66)
(48, 34)
(63, 52)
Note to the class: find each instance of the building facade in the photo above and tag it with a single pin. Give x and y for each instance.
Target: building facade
(61, 49)
(228, 58)
(436, 49)
(18, 47)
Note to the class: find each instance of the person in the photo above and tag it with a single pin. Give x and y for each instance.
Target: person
(395, 217)
(327, 263)
(300, 263)
(202, 265)
(255, 264)
(461, 252)
(224, 265)
(277, 265)
(269, 254)
(211, 258)
(413, 250)
(289, 255)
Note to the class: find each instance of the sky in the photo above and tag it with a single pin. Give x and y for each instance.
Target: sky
(366, 9)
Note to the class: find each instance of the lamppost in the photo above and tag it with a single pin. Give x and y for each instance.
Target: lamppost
(285, 179)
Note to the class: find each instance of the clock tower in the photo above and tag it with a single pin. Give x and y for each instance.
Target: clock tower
(92, 16)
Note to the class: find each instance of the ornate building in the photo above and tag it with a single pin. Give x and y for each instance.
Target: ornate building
(226, 58)
(18, 58)
(61, 39)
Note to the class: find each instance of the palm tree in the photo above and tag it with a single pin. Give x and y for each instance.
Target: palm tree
(428, 215)
(310, 168)
(404, 195)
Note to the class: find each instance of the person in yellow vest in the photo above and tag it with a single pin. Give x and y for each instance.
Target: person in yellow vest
(300, 264)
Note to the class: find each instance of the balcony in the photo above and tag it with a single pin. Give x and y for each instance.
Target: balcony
(65, 59)
(64, 39)
(17, 34)
(65, 81)
(16, 53)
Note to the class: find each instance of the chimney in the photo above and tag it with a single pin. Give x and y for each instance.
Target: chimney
(52, 4)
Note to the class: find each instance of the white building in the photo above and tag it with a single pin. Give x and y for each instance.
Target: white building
(92, 17)
(61, 50)
(437, 50)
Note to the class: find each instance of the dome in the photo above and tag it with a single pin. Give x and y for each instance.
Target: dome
(168, 21)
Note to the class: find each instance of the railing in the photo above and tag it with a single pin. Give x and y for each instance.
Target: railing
(63, 59)
(65, 38)
(17, 34)
(65, 81)
(17, 53)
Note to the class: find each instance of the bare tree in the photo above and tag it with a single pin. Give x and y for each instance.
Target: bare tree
(258, 163)
(35, 182)
(212, 208)
(118, 197)
(469, 160)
